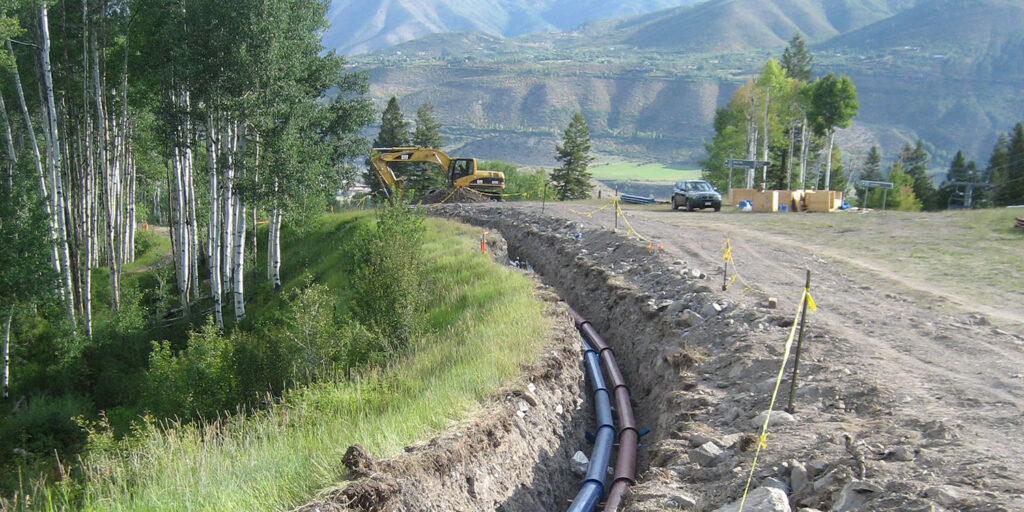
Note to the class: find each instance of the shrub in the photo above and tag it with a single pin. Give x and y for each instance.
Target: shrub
(388, 287)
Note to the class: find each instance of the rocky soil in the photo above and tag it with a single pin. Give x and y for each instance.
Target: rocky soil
(901, 404)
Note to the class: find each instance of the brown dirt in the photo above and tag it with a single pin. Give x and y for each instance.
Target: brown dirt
(463, 195)
(924, 378)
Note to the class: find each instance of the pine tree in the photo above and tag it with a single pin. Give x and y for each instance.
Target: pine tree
(998, 171)
(796, 60)
(915, 163)
(901, 197)
(393, 129)
(423, 177)
(571, 180)
(872, 165)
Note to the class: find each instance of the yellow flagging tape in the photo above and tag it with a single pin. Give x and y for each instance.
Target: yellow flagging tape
(592, 212)
(452, 193)
(631, 230)
(727, 258)
(763, 438)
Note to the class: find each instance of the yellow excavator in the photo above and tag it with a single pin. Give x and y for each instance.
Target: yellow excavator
(458, 172)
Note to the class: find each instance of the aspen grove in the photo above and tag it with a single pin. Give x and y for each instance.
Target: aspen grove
(204, 117)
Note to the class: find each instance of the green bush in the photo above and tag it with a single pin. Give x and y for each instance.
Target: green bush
(197, 382)
(520, 185)
(389, 293)
(45, 425)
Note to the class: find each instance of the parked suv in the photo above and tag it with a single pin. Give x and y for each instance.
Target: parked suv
(695, 194)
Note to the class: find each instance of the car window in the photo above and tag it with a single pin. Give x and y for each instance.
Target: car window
(700, 185)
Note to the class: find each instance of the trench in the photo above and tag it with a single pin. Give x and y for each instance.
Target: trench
(518, 456)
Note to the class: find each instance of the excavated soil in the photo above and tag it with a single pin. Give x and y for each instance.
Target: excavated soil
(900, 406)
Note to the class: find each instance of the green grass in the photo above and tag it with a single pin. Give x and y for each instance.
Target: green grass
(488, 325)
(630, 171)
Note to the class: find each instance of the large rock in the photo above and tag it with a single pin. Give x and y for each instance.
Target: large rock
(707, 454)
(762, 499)
(798, 477)
(945, 495)
(778, 418)
(855, 495)
(691, 318)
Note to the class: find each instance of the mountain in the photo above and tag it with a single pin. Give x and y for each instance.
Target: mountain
(946, 71)
(360, 26)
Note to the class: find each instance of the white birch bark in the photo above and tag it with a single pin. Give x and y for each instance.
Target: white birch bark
(12, 157)
(270, 243)
(180, 227)
(238, 287)
(227, 252)
(88, 181)
(214, 230)
(789, 155)
(803, 153)
(828, 158)
(109, 187)
(31, 134)
(767, 105)
(277, 250)
(6, 376)
(55, 168)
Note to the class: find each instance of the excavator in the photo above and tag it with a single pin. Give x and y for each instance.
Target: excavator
(458, 172)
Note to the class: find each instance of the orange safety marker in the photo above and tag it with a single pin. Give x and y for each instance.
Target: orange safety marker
(483, 243)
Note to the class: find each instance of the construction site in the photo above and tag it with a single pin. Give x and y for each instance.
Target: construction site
(908, 394)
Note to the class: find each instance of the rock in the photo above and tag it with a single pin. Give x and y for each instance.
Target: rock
(691, 319)
(777, 418)
(700, 439)
(762, 499)
(798, 477)
(676, 307)
(855, 495)
(710, 310)
(945, 495)
(707, 454)
(696, 274)
(682, 502)
(806, 509)
(558, 409)
(816, 467)
(775, 483)
(773, 303)
(901, 453)
(579, 464)
(728, 441)
(531, 399)
(733, 414)
(359, 462)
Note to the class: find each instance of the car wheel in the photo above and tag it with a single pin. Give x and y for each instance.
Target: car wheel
(675, 205)
(689, 206)
(718, 207)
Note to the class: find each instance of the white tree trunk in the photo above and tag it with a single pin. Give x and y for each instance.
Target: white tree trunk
(238, 287)
(270, 243)
(6, 373)
(789, 155)
(180, 228)
(803, 153)
(276, 271)
(228, 146)
(828, 158)
(109, 185)
(214, 230)
(767, 105)
(43, 192)
(55, 168)
(12, 157)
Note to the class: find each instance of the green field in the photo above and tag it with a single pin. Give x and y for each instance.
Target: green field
(631, 171)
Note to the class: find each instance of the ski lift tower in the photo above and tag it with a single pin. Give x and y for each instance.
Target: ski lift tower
(963, 194)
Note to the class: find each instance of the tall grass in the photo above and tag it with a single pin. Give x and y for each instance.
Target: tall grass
(485, 325)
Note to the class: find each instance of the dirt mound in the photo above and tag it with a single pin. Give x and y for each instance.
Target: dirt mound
(461, 195)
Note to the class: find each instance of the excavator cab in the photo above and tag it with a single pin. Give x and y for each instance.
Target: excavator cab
(461, 167)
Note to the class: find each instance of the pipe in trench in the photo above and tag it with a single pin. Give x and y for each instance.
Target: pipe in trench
(625, 464)
(592, 489)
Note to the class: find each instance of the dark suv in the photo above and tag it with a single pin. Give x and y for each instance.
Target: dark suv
(695, 194)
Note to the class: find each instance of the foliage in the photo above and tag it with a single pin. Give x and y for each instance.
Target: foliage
(915, 163)
(901, 197)
(1006, 168)
(571, 180)
(519, 184)
(394, 130)
(797, 61)
(424, 177)
(872, 165)
(388, 290)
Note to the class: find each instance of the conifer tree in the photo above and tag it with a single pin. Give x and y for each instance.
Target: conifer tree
(901, 197)
(915, 164)
(423, 177)
(872, 165)
(796, 60)
(393, 129)
(571, 180)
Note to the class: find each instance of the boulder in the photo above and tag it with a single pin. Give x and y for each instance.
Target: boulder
(762, 499)
(855, 495)
(798, 477)
(777, 418)
(707, 454)
(579, 464)
(690, 318)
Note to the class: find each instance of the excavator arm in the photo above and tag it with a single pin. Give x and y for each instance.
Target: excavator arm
(457, 172)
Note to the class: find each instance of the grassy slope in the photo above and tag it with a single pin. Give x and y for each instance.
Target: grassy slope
(278, 459)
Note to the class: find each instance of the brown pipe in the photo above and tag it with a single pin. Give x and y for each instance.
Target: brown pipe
(625, 462)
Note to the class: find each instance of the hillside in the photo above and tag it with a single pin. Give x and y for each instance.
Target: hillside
(360, 26)
(649, 85)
